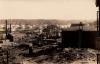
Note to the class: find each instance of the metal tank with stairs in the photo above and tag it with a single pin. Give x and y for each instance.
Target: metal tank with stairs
(83, 39)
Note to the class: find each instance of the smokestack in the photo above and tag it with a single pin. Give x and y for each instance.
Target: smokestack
(6, 31)
(10, 28)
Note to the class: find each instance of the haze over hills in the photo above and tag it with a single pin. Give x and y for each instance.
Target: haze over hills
(43, 21)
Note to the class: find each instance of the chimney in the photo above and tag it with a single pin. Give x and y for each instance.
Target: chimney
(6, 31)
(10, 27)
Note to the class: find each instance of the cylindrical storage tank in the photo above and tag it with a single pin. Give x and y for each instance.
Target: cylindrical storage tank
(79, 39)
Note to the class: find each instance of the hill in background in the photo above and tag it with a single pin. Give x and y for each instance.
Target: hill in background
(43, 21)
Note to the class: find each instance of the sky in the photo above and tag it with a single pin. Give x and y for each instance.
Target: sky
(48, 9)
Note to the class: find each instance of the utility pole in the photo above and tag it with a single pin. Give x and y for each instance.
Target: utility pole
(98, 16)
(98, 25)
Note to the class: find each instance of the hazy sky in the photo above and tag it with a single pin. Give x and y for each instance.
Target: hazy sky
(48, 9)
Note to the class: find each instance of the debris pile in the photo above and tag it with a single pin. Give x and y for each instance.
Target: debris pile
(68, 55)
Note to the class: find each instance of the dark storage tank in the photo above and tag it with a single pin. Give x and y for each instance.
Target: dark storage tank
(79, 38)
